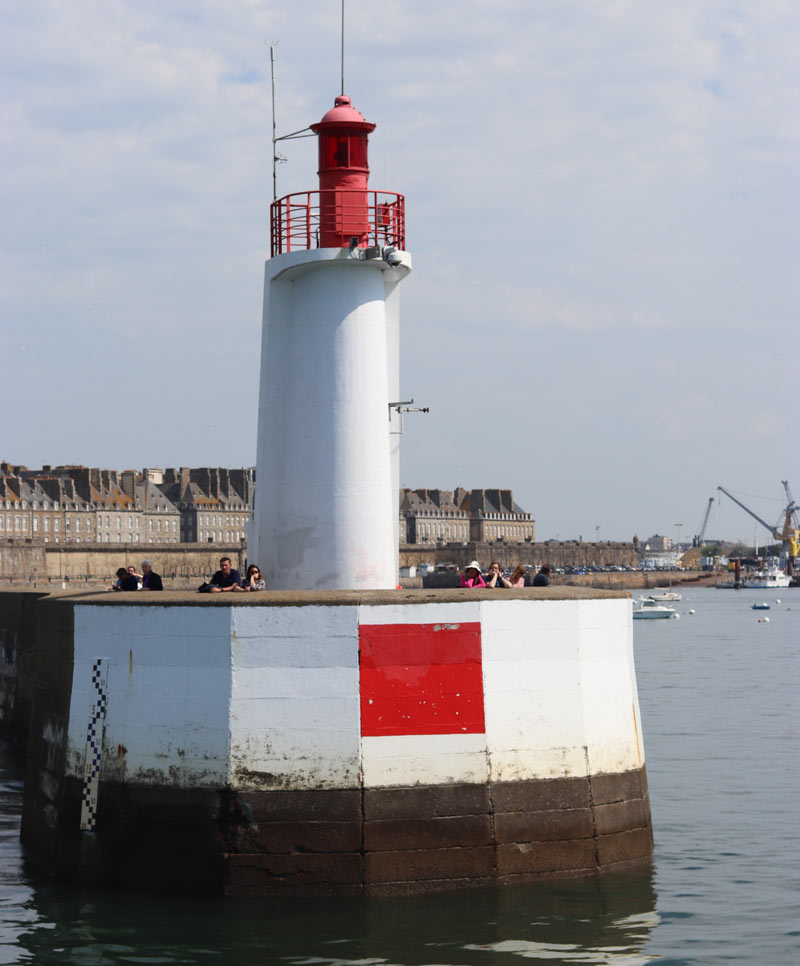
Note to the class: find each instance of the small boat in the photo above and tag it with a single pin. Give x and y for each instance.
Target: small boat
(764, 606)
(662, 595)
(649, 609)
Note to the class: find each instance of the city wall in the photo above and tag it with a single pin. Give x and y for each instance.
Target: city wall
(42, 565)
(568, 553)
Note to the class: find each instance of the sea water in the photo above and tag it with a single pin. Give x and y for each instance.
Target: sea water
(719, 696)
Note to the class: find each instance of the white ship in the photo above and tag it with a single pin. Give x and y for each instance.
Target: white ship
(767, 579)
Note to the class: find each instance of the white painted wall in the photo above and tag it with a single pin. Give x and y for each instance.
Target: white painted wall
(268, 697)
(169, 685)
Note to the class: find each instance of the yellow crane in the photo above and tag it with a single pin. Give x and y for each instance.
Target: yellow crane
(788, 535)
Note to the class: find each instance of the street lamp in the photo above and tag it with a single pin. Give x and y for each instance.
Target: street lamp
(597, 532)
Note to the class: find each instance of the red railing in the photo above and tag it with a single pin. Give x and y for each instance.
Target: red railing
(295, 219)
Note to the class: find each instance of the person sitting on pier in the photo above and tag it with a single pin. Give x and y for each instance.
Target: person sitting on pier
(472, 576)
(150, 579)
(226, 578)
(495, 577)
(125, 580)
(253, 580)
(518, 577)
(542, 579)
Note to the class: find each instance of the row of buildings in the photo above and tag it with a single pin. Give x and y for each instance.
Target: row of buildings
(79, 505)
(74, 504)
(463, 516)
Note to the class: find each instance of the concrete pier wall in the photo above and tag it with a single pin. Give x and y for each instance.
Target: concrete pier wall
(18, 619)
(337, 742)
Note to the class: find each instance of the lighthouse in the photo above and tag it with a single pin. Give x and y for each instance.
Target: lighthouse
(327, 466)
(330, 736)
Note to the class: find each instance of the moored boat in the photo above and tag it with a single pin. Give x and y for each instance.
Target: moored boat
(767, 579)
(649, 609)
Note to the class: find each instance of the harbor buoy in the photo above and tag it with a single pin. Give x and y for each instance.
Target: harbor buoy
(691, 610)
(766, 620)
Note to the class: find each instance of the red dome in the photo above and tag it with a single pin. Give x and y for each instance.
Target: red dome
(344, 114)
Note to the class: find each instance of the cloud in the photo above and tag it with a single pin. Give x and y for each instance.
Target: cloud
(602, 212)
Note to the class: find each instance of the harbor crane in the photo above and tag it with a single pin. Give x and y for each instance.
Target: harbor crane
(790, 498)
(788, 535)
(698, 540)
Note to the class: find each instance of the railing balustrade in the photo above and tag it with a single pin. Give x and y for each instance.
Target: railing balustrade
(295, 218)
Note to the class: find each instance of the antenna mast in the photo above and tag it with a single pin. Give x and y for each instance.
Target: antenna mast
(274, 138)
(342, 85)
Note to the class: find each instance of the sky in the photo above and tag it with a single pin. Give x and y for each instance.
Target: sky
(602, 212)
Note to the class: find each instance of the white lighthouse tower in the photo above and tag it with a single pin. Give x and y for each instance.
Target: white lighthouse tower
(327, 470)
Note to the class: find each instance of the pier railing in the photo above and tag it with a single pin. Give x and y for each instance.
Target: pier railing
(295, 220)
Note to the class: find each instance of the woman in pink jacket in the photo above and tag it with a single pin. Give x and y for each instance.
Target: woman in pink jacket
(472, 576)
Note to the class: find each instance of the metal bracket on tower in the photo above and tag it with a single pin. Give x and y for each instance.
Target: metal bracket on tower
(405, 406)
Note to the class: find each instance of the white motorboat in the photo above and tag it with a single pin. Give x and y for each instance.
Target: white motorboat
(662, 595)
(647, 609)
(767, 579)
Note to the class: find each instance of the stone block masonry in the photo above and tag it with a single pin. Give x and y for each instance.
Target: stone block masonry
(313, 743)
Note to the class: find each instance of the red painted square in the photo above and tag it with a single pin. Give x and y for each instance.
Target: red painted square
(421, 679)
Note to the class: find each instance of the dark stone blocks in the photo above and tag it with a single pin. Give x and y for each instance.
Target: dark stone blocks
(545, 826)
(540, 796)
(417, 864)
(634, 845)
(466, 831)
(430, 801)
(619, 788)
(539, 857)
(317, 842)
(262, 874)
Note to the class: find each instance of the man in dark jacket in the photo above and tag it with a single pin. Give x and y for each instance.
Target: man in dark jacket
(125, 580)
(542, 579)
(150, 579)
(225, 578)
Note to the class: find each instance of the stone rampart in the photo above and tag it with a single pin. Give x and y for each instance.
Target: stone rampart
(508, 555)
(44, 565)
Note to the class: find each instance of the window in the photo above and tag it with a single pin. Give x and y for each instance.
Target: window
(47, 524)
(36, 524)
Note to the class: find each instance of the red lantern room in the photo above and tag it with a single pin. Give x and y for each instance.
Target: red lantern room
(343, 175)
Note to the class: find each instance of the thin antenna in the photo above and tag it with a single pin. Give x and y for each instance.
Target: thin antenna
(274, 138)
(342, 89)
